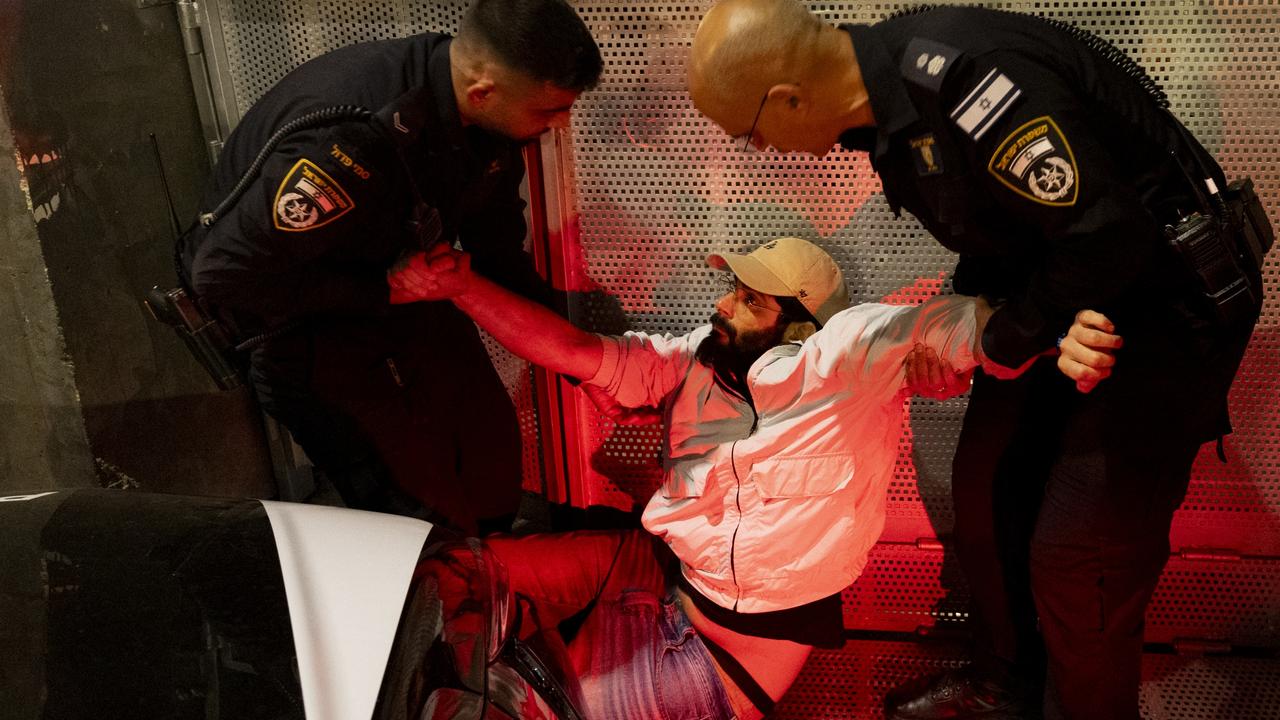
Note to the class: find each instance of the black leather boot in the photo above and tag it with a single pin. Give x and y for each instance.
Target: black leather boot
(960, 695)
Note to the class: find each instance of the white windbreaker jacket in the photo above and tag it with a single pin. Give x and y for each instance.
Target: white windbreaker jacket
(774, 503)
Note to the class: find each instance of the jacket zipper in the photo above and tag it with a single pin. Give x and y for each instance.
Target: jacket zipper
(737, 501)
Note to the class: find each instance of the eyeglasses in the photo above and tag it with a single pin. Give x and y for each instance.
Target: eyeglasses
(746, 139)
(744, 294)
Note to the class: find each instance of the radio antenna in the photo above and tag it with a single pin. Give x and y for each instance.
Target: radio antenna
(174, 225)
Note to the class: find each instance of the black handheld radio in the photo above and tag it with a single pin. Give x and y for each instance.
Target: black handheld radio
(1222, 244)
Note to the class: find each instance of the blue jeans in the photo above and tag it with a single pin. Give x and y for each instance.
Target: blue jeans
(636, 655)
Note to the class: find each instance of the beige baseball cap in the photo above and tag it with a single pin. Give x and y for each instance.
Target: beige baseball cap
(790, 267)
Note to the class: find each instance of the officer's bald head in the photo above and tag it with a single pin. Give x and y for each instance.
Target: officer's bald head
(743, 48)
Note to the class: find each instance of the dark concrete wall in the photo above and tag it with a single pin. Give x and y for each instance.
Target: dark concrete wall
(42, 438)
(85, 84)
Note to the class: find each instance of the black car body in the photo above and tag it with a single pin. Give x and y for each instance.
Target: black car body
(118, 604)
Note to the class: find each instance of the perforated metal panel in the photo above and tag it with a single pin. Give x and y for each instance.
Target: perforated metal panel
(906, 588)
(851, 683)
(1235, 601)
(1190, 688)
(264, 41)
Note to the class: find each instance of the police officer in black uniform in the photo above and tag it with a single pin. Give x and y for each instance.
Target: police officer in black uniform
(1047, 160)
(381, 150)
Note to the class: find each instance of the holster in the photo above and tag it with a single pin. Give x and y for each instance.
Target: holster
(1223, 251)
(1249, 219)
(212, 345)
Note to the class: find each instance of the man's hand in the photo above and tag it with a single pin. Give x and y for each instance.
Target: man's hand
(1088, 350)
(437, 274)
(931, 377)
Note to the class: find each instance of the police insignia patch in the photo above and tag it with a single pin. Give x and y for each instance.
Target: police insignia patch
(924, 151)
(1036, 162)
(308, 198)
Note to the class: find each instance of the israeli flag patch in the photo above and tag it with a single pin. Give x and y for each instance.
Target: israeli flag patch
(985, 104)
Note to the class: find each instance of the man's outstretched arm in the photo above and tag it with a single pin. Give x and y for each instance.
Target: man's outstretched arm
(524, 327)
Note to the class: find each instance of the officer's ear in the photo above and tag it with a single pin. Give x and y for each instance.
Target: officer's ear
(788, 95)
(479, 91)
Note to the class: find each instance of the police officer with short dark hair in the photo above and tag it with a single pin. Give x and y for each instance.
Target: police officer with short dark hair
(1047, 160)
(381, 150)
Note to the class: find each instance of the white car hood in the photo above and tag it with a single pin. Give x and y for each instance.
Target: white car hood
(346, 574)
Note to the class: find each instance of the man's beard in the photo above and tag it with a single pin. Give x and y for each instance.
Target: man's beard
(732, 356)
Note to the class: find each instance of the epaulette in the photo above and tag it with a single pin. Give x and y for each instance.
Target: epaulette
(926, 63)
(406, 117)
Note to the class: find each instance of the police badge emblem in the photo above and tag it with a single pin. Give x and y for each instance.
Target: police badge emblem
(1036, 162)
(308, 198)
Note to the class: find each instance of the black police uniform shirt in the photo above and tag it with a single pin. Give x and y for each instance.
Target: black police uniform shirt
(1045, 166)
(331, 210)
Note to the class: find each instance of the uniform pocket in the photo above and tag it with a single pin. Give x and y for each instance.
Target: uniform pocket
(803, 476)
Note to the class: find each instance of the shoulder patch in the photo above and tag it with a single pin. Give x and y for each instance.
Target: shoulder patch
(927, 159)
(926, 62)
(308, 198)
(1036, 162)
(990, 99)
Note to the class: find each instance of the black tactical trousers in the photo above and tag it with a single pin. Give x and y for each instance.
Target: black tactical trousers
(1063, 505)
(405, 413)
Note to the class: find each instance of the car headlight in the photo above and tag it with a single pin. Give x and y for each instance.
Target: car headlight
(475, 593)
(500, 616)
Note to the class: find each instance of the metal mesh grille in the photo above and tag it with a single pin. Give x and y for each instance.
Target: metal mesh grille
(1234, 601)
(906, 588)
(1179, 688)
(264, 41)
(851, 683)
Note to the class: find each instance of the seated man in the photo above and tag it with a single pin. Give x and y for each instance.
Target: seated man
(782, 421)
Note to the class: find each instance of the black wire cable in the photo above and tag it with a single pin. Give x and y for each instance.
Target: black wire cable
(318, 118)
(325, 116)
(1102, 47)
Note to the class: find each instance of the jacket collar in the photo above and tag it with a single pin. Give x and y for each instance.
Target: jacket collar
(478, 146)
(440, 81)
(890, 104)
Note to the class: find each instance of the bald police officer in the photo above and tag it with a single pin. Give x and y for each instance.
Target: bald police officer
(1045, 158)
